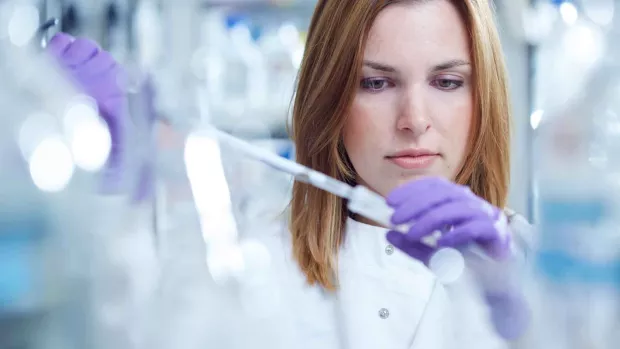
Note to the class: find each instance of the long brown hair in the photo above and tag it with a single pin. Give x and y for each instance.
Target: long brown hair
(328, 80)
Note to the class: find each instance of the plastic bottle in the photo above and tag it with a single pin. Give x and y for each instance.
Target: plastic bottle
(577, 258)
(77, 265)
(45, 207)
(281, 47)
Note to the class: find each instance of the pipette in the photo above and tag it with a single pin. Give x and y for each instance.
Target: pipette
(47, 25)
(41, 33)
(360, 200)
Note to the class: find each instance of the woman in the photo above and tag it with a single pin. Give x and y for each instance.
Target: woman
(390, 92)
(409, 98)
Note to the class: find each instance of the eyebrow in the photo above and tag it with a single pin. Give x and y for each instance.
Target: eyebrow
(379, 66)
(439, 67)
(449, 65)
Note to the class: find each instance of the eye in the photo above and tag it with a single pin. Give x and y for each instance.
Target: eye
(374, 84)
(447, 84)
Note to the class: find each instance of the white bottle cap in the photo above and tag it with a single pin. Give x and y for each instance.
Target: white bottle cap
(448, 265)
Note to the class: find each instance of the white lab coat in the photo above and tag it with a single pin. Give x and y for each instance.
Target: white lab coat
(386, 299)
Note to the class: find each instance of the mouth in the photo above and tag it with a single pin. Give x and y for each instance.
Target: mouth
(414, 159)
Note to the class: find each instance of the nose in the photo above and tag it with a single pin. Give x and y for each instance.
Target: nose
(413, 116)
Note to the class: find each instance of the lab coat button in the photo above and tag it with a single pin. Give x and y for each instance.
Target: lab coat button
(384, 313)
(389, 249)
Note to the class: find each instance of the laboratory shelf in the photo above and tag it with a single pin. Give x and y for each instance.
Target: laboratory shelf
(266, 8)
(302, 6)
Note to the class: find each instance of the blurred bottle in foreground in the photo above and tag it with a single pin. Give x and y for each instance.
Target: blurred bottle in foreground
(52, 143)
(77, 266)
(577, 260)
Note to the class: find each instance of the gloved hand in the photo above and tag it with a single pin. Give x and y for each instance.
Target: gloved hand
(434, 204)
(98, 74)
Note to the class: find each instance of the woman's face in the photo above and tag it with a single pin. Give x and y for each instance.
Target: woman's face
(413, 108)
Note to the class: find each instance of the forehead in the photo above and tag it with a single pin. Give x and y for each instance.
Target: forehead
(418, 31)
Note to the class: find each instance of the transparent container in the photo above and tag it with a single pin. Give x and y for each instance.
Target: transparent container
(576, 263)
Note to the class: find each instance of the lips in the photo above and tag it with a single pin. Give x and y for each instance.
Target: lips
(412, 159)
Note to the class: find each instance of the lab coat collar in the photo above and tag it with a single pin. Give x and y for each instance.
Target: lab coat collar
(363, 227)
(366, 246)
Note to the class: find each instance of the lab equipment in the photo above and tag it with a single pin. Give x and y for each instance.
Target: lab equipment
(124, 228)
(578, 258)
(360, 199)
(43, 31)
(576, 271)
(282, 48)
(45, 197)
(79, 268)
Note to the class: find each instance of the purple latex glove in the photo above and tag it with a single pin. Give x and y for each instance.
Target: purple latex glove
(98, 74)
(434, 204)
(510, 313)
(145, 188)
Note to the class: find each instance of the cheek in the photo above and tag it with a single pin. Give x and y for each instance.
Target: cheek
(466, 123)
(371, 116)
(454, 124)
(462, 123)
(364, 129)
(354, 134)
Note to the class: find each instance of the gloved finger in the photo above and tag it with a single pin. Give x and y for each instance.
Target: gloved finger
(114, 111)
(117, 151)
(510, 315)
(59, 43)
(451, 214)
(102, 63)
(476, 230)
(148, 91)
(416, 250)
(79, 52)
(144, 187)
(112, 84)
(482, 231)
(425, 199)
(414, 188)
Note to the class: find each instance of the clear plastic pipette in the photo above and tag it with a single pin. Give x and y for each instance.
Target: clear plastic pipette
(361, 200)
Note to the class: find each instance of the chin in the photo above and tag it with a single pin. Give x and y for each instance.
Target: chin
(406, 178)
(413, 177)
(387, 188)
(389, 182)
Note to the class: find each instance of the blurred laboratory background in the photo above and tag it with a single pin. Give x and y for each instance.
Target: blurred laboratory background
(91, 265)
